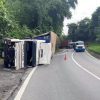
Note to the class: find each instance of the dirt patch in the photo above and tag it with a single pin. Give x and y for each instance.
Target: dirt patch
(9, 81)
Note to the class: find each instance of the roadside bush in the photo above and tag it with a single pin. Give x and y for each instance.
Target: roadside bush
(94, 47)
(20, 32)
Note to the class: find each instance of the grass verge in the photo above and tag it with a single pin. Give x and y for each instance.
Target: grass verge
(94, 47)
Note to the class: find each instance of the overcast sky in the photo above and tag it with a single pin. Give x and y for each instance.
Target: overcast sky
(85, 8)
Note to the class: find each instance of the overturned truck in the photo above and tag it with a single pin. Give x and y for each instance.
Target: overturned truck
(49, 37)
(26, 53)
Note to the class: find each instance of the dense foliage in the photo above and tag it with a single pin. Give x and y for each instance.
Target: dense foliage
(86, 29)
(38, 15)
(94, 47)
(4, 20)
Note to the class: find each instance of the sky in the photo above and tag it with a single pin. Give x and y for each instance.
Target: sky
(85, 8)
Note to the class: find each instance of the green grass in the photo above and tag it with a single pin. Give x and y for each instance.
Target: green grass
(94, 47)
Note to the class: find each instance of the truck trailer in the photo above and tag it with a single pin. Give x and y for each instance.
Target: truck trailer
(26, 53)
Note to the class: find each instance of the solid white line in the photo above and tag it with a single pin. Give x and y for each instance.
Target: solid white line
(91, 55)
(24, 85)
(84, 68)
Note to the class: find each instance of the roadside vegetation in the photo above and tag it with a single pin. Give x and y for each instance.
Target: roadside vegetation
(94, 47)
(87, 30)
(21, 18)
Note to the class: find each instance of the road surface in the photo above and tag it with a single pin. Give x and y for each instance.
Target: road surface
(76, 78)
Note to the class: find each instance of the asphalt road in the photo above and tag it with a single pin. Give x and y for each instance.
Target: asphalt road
(77, 78)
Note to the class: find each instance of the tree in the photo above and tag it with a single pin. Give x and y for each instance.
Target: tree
(80, 31)
(4, 21)
(72, 31)
(43, 15)
(84, 30)
(87, 29)
(95, 24)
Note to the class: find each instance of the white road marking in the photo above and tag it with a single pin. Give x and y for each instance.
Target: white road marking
(91, 55)
(84, 68)
(24, 85)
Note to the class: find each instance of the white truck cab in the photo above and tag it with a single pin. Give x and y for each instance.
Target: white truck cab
(79, 46)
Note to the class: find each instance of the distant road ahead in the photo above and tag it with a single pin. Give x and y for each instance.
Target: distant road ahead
(77, 78)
